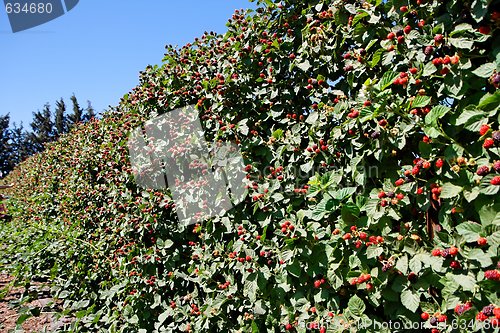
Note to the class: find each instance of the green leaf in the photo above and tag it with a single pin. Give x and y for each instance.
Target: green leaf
(294, 269)
(479, 255)
(429, 69)
(479, 9)
(461, 28)
(162, 317)
(421, 101)
(325, 206)
(356, 306)
(350, 213)
(377, 56)
(486, 187)
(467, 282)
(343, 193)
(485, 70)
(415, 264)
(305, 65)
(373, 251)
(387, 79)
(278, 134)
(410, 300)
(470, 114)
(312, 118)
(469, 230)
(461, 43)
(436, 113)
(448, 190)
(306, 167)
(402, 264)
(490, 101)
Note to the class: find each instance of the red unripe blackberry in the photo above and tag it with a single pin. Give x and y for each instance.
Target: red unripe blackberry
(438, 38)
(488, 143)
(492, 275)
(484, 129)
(439, 163)
(495, 180)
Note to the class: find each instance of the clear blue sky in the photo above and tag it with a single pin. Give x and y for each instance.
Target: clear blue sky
(97, 49)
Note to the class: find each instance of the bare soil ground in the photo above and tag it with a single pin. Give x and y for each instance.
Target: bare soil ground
(9, 312)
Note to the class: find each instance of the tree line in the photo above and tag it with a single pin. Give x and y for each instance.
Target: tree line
(18, 143)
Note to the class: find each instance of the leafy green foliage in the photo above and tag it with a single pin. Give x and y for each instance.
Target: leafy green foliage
(363, 126)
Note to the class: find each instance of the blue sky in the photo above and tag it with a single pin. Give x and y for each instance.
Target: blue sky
(97, 49)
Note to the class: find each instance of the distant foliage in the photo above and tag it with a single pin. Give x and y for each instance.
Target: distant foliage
(371, 136)
(46, 126)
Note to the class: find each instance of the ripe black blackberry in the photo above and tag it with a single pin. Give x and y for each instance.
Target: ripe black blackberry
(488, 310)
(483, 170)
(496, 137)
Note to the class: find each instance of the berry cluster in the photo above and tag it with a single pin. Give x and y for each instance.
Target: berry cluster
(287, 226)
(490, 142)
(319, 282)
(461, 308)
(317, 148)
(224, 285)
(394, 198)
(434, 319)
(360, 279)
(436, 191)
(445, 253)
(491, 313)
(421, 112)
(302, 190)
(448, 253)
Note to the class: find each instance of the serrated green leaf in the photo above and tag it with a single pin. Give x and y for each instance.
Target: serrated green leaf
(402, 264)
(479, 255)
(467, 282)
(356, 306)
(469, 230)
(485, 70)
(421, 101)
(448, 190)
(429, 69)
(410, 300)
(436, 113)
(387, 80)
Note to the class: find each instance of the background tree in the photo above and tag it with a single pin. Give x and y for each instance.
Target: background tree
(21, 144)
(89, 112)
(61, 121)
(76, 117)
(43, 130)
